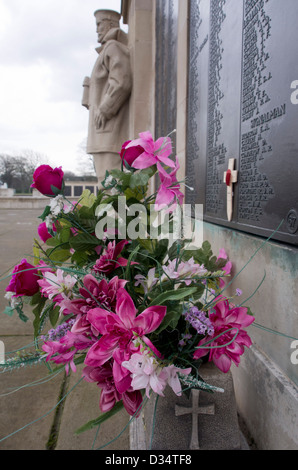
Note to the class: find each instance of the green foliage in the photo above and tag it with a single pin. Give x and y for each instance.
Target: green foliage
(101, 419)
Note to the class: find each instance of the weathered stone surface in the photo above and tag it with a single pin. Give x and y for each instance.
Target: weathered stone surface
(218, 431)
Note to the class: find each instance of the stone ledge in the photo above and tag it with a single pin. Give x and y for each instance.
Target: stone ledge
(217, 429)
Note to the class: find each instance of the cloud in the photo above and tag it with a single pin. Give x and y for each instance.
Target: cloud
(47, 48)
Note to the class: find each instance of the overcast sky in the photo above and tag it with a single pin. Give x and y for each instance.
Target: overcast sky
(47, 48)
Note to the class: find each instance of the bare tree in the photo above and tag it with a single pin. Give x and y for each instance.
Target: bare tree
(17, 170)
(85, 164)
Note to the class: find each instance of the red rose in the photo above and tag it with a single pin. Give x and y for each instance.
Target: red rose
(24, 280)
(44, 177)
(129, 155)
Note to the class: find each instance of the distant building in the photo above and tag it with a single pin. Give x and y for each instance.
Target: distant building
(75, 185)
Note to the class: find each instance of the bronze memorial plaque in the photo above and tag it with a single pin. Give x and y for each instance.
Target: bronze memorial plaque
(242, 130)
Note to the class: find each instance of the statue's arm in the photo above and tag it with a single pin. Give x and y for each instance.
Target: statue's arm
(117, 62)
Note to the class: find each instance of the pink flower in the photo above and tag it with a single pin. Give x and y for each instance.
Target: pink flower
(228, 321)
(58, 283)
(173, 379)
(227, 268)
(183, 270)
(147, 374)
(169, 190)
(94, 294)
(43, 232)
(130, 154)
(109, 395)
(64, 350)
(110, 259)
(154, 152)
(45, 176)
(118, 331)
(24, 281)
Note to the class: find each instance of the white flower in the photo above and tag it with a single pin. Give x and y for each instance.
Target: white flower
(49, 220)
(182, 270)
(109, 180)
(14, 301)
(146, 373)
(53, 284)
(58, 204)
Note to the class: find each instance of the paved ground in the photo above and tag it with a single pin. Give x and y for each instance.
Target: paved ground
(29, 417)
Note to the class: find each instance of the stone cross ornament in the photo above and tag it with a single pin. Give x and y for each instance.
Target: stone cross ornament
(230, 178)
(195, 411)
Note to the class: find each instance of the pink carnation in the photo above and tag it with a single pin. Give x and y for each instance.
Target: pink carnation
(109, 395)
(110, 258)
(94, 294)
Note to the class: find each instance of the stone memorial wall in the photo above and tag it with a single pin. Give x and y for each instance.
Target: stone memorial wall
(166, 67)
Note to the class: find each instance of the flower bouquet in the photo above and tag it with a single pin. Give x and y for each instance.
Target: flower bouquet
(112, 287)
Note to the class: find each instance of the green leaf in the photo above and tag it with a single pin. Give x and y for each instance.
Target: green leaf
(54, 315)
(36, 253)
(52, 241)
(59, 256)
(177, 294)
(101, 419)
(170, 320)
(39, 301)
(130, 259)
(21, 314)
(9, 311)
(87, 198)
(56, 191)
(83, 242)
(139, 179)
(79, 258)
(45, 213)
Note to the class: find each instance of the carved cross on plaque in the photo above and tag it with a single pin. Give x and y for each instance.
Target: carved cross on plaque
(230, 177)
(195, 411)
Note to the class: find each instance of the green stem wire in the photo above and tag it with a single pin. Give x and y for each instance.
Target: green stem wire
(43, 416)
(31, 384)
(153, 423)
(269, 330)
(140, 407)
(250, 259)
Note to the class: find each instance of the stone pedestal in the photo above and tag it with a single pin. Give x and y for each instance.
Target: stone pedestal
(211, 424)
(6, 192)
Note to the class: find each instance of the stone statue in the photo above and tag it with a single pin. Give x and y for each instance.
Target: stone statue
(106, 94)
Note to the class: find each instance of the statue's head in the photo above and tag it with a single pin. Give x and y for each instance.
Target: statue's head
(106, 20)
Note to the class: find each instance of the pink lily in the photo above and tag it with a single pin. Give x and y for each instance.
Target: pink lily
(154, 152)
(169, 189)
(227, 268)
(118, 331)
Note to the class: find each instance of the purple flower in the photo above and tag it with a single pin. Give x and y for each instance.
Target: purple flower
(199, 321)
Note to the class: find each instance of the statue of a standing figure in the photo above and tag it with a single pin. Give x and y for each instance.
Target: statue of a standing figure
(106, 94)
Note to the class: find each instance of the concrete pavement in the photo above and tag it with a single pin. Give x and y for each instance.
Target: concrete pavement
(29, 417)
